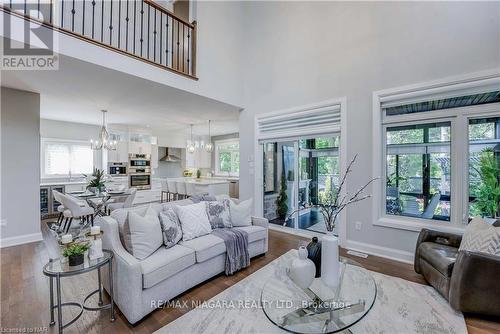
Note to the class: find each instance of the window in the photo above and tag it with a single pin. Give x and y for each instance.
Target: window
(227, 157)
(439, 156)
(418, 170)
(66, 158)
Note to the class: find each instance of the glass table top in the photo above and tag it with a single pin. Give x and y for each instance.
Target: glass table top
(320, 308)
(62, 267)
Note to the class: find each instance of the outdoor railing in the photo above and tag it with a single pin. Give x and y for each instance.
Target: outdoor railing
(141, 29)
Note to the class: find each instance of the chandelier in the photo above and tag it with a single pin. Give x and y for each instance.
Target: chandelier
(104, 141)
(190, 147)
(209, 147)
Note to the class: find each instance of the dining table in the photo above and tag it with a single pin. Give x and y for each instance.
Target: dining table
(99, 200)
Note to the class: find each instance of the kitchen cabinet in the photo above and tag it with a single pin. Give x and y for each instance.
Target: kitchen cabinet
(139, 147)
(199, 159)
(154, 156)
(147, 196)
(69, 188)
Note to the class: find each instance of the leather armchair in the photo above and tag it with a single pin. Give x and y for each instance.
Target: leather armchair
(468, 280)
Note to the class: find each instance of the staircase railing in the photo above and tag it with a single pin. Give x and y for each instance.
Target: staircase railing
(138, 28)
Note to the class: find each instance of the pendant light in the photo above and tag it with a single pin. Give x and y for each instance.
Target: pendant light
(104, 141)
(190, 147)
(209, 147)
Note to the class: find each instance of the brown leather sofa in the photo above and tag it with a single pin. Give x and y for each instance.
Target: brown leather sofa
(470, 281)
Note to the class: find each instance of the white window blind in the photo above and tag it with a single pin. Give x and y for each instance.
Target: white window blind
(66, 158)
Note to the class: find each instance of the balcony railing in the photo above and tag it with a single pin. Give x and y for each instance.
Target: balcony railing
(138, 28)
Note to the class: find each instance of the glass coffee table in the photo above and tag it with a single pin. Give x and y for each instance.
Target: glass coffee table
(320, 308)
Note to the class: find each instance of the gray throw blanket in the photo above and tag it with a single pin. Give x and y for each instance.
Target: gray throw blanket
(237, 256)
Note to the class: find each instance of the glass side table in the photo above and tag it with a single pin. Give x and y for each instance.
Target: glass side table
(319, 308)
(56, 269)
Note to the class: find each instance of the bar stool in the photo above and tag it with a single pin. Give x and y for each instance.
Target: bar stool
(164, 191)
(172, 189)
(181, 189)
(125, 204)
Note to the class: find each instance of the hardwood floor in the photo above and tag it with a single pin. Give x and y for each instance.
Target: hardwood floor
(25, 290)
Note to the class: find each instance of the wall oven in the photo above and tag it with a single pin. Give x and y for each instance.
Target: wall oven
(139, 160)
(140, 181)
(140, 171)
(117, 168)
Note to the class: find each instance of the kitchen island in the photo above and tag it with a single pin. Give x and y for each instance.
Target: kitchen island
(210, 186)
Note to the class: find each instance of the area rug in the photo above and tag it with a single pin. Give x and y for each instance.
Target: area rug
(401, 307)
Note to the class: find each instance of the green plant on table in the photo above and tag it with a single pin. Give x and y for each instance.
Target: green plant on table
(96, 179)
(76, 249)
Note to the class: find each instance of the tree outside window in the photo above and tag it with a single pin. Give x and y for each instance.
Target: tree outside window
(227, 155)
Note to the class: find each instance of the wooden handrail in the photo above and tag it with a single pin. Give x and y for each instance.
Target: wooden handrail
(166, 11)
(144, 30)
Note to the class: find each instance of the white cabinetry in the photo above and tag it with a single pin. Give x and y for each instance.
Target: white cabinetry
(199, 159)
(154, 156)
(121, 153)
(139, 147)
(69, 188)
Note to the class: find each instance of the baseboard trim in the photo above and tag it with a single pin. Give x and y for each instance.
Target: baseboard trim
(20, 240)
(386, 252)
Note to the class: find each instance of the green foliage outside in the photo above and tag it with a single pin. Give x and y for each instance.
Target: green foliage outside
(282, 198)
(486, 188)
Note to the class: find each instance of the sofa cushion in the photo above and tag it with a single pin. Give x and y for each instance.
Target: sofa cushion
(254, 232)
(206, 247)
(171, 227)
(219, 214)
(441, 257)
(165, 262)
(241, 214)
(142, 234)
(479, 236)
(194, 220)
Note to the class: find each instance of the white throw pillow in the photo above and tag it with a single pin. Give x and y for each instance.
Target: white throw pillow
(241, 214)
(479, 236)
(142, 235)
(194, 220)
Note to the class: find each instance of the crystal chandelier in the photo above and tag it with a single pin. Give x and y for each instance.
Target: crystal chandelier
(104, 141)
(209, 147)
(190, 147)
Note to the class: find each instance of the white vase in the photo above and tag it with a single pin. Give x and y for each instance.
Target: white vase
(302, 271)
(330, 262)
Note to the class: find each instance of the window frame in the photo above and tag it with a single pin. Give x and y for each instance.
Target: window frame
(69, 142)
(459, 117)
(218, 172)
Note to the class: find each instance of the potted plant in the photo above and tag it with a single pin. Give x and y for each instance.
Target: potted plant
(198, 174)
(96, 181)
(75, 253)
(282, 198)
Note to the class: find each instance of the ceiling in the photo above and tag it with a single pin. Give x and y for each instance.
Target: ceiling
(79, 90)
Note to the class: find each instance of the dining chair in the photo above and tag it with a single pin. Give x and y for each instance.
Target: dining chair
(60, 209)
(75, 210)
(172, 189)
(181, 189)
(125, 204)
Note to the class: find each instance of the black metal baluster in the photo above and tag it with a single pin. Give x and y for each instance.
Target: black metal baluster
(172, 49)
(135, 17)
(154, 40)
(189, 50)
(50, 13)
(178, 44)
(149, 13)
(26, 7)
(62, 13)
(126, 30)
(111, 23)
(161, 36)
(142, 24)
(73, 17)
(83, 18)
(183, 46)
(93, 17)
(102, 21)
(119, 20)
(166, 43)
(38, 14)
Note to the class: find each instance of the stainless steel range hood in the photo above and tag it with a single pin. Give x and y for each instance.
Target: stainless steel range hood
(170, 157)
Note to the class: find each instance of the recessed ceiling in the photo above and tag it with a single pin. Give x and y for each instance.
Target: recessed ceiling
(79, 90)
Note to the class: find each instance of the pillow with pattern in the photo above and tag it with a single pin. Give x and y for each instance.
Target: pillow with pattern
(171, 227)
(218, 213)
(482, 237)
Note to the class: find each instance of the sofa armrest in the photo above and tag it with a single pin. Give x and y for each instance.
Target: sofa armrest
(443, 238)
(111, 240)
(260, 221)
(474, 283)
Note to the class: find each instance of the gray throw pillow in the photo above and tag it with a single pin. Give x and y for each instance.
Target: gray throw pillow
(142, 235)
(202, 198)
(219, 214)
(482, 237)
(171, 227)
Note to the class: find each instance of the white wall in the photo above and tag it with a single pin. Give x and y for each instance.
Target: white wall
(301, 53)
(20, 174)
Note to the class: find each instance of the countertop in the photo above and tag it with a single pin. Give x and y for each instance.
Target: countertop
(57, 183)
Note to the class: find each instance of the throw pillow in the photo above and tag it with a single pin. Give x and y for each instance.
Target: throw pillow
(197, 198)
(194, 220)
(480, 236)
(142, 235)
(241, 214)
(171, 227)
(219, 214)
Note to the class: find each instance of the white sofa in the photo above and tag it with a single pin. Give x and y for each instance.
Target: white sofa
(140, 284)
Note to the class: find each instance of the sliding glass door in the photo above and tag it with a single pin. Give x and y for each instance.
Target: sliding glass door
(298, 175)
